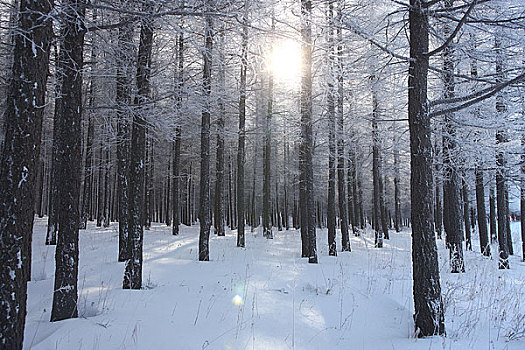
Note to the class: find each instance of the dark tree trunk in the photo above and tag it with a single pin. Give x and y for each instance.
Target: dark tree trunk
(107, 171)
(68, 159)
(241, 150)
(376, 175)
(23, 126)
(87, 195)
(492, 214)
(452, 211)
(341, 190)
(133, 271)
(219, 168)
(482, 216)
(176, 194)
(397, 201)
(124, 87)
(204, 190)
(100, 183)
(148, 183)
(266, 209)
(331, 209)
(428, 306)
(306, 130)
(466, 216)
(507, 222)
(501, 186)
(438, 189)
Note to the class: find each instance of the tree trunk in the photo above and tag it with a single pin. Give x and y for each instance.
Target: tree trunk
(339, 133)
(397, 202)
(241, 150)
(204, 190)
(376, 175)
(23, 125)
(307, 128)
(123, 101)
(428, 306)
(133, 271)
(482, 216)
(452, 211)
(219, 168)
(500, 164)
(331, 209)
(466, 216)
(176, 193)
(65, 293)
(492, 214)
(266, 209)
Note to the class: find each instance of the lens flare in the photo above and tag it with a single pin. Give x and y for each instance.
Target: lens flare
(237, 300)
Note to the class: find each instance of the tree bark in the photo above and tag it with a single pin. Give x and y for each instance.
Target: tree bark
(482, 216)
(204, 191)
(176, 193)
(23, 125)
(68, 162)
(306, 128)
(500, 172)
(339, 133)
(331, 209)
(466, 216)
(428, 305)
(133, 271)
(241, 150)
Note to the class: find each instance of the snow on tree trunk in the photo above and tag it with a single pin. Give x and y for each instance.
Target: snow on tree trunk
(68, 135)
(339, 132)
(204, 191)
(306, 129)
(23, 123)
(482, 215)
(428, 305)
(133, 271)
(330, 100)
(241, 150)
(179, 83)
(219, 167)
(125, 67)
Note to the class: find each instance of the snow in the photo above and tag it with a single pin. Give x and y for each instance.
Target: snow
(265, 296)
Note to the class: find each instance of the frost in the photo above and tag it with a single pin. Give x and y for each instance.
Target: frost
(33, 47)
(12, 273)
(25, 174)
(19, 257)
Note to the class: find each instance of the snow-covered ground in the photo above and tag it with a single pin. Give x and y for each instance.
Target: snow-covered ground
(266, 297)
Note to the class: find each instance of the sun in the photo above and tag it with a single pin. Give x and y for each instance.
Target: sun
(285, 61)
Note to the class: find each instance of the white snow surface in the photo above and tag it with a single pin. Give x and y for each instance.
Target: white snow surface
(265, 296)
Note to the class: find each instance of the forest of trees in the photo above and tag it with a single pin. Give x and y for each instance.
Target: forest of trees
(399, 114)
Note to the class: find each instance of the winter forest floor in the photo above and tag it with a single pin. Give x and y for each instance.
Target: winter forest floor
(266, 297)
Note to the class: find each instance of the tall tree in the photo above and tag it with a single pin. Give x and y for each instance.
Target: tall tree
(125, 65)
(219, 167)
(68, 136)
(133, 271)
(339, 132)
(376, 174)
(23, 124)
(307, 131)
(330, 100)
(241, 149)
(500, 164)
(204, 192)
(452, 213)
(179, 83)
(482, 215)
(428, 305)
(266, 205)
